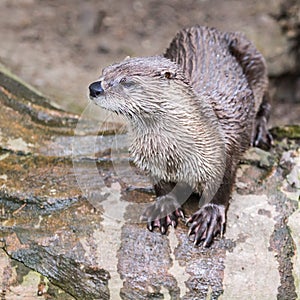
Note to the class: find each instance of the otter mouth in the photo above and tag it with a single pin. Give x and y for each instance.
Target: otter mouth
(98, 96)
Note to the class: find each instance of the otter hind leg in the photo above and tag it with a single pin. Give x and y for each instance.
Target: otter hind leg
(262, 138)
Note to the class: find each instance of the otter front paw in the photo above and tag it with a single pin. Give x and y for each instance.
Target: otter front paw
(164, 212)
(206, 223)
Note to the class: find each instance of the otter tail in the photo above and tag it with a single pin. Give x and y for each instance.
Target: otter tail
(253, 64)
(254, 67)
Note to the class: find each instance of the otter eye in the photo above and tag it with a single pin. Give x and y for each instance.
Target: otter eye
(168, 75)
(126, 83)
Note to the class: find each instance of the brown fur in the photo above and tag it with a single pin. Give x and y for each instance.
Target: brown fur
(193, 113)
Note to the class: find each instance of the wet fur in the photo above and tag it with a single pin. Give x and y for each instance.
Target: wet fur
(193, 113)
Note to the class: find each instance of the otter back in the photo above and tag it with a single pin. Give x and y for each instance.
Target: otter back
(228, 70)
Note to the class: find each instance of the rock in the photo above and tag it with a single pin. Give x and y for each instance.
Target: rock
(70, 207)
(40, 196)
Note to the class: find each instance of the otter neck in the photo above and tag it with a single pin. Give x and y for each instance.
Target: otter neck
(180, 144)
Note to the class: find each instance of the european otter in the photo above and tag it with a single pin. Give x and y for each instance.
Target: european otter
(193, 112)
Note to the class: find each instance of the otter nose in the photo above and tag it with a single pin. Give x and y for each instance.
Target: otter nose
(96, 89)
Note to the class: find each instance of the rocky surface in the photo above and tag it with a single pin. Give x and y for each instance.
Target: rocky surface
(70, 207)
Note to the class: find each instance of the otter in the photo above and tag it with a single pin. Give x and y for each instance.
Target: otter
(193, 112)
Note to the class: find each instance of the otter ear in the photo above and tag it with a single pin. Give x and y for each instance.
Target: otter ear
(169, 75)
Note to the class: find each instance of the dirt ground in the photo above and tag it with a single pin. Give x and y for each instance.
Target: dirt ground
(61, 46)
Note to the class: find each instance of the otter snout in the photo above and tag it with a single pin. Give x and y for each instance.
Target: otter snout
(96, 89)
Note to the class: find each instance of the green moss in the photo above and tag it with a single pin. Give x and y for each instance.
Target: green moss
(288, 131)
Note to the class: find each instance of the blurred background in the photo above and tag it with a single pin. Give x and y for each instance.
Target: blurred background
(61, 46)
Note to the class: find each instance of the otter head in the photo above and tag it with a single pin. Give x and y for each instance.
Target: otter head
(174, 131)
(139, 87)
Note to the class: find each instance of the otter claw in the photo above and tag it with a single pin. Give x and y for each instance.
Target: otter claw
(263, 138)
(163, 213)
(207, 223)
